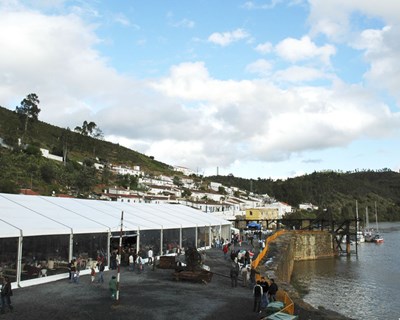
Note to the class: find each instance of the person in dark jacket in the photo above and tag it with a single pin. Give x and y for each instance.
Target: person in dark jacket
(264, 284)
(273, 288)
(6, 293)
(234, 273)
(257, 293)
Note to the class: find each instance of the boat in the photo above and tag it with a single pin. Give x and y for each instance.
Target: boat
(368, 232)
(372, 235)
(378, 239)
(360, 237)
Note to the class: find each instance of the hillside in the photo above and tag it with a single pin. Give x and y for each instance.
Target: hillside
(335, 193)
(79, 147)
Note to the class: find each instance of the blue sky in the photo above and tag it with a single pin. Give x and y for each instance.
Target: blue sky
(269, 89)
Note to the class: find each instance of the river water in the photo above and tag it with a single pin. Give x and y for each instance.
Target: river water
(366, 286)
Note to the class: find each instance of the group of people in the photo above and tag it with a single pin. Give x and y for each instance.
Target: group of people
(263, 291)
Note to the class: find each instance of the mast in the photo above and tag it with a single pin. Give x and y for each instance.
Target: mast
(366, 218)
(376, 219)
(357, 223)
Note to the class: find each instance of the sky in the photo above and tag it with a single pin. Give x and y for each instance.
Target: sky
(257, 89)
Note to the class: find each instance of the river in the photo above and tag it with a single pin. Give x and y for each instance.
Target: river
(366, 286)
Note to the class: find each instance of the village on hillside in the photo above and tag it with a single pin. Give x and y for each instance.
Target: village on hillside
(238, 206)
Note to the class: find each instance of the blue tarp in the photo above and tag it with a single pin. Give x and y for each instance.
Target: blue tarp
(254, 225)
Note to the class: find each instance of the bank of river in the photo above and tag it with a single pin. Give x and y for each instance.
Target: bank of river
(366, 286)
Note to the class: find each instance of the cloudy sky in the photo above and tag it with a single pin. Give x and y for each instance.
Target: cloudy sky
(269, 89)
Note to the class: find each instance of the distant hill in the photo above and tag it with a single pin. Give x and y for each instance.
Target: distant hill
(334, 192)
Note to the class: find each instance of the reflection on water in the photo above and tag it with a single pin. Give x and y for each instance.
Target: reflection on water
(366, 286)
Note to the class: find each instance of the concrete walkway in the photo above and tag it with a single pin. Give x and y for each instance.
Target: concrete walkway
(149, 295)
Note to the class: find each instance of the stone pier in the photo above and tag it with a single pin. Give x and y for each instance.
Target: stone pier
(295, 246)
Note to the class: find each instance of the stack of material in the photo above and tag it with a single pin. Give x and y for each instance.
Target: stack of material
(167, 262)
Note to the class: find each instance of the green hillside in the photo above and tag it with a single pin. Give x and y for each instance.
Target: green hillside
(335, 193)
(24, 167)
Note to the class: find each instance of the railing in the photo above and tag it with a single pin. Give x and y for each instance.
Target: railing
(281, 295)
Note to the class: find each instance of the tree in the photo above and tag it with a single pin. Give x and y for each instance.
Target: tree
(29, 109)
(89, 129)
(177, 181)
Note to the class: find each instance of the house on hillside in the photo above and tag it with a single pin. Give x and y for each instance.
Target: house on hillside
(185, 171)
(261, 214)
(163, 190)
(283, 208)
(125, 170)
(46, 154)
(307, 206)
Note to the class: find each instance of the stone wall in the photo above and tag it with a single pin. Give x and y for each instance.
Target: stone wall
(295, 246)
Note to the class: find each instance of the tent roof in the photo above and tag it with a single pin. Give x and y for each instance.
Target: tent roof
(38, 215)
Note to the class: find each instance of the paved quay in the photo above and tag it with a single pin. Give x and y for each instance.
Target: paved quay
(151, 295)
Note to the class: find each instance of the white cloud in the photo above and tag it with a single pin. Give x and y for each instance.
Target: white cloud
(295, 50)
(333, 17)
(264, 48)
(190, 117)
(226, 38)
(185, 23)
(379, 45)
(297, 74)
(251, 5)
(261, 67)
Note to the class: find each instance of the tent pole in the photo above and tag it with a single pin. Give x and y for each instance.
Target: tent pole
(195, 236)
(180, 237)
(71, 245)
(120, 256)
(209, 235)
(19, 271)
(161, 240)
(138, 240)
(108, 247)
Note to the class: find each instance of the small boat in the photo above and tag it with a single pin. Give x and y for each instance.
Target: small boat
(377, 239)
(360, 237)
(372, 235)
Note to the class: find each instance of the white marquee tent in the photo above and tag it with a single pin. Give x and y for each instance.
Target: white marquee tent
(23, 216)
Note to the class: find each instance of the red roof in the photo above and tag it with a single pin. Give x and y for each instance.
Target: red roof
(29, 192)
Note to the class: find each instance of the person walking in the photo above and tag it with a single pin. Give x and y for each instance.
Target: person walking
(234, 273)
(92, 273)
(101, 268)
(131, 262)
(245, 275)
(6, 293)
(139, 263)
(257, 293)
(150, 256)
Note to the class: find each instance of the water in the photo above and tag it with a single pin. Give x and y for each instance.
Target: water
(366, 286)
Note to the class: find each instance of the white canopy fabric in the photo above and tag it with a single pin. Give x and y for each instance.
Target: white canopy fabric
(38, 215)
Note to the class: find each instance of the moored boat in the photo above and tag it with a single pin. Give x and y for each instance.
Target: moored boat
(377, 239)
